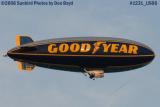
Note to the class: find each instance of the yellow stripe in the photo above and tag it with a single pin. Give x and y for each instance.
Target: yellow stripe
(19, 66)
(18, 40)
(37, 54)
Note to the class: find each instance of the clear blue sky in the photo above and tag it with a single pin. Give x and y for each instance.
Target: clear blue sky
(47, 87)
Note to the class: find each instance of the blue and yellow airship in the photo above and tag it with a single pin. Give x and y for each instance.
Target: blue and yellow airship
(90, 55)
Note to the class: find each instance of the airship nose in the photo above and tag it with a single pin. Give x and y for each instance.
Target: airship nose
(152, 55)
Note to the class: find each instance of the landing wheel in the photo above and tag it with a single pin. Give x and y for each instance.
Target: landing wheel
(91, 75)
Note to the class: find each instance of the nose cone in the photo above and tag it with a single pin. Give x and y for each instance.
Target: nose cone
(153, 55)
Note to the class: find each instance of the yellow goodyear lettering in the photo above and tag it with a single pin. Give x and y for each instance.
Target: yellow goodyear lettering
(123, 48)
(133, 49)
(63, 48)
(75, 47)
(85, 47)
(106, 47)
(114, 48)
(52, 48)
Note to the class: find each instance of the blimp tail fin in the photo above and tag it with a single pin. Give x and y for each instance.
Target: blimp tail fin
(25, 66)
(20, 40)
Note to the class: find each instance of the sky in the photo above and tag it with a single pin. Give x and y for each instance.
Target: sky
(102, 18)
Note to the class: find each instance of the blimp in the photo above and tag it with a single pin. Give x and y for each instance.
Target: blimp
(92, 56)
